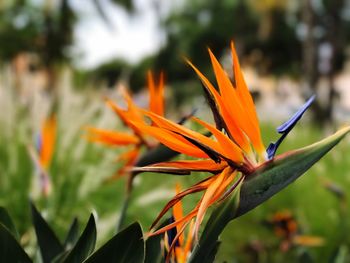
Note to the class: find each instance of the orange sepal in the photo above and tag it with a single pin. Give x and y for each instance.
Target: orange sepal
(48, 138)
(156, 94)
(172, 140)
(233, 127)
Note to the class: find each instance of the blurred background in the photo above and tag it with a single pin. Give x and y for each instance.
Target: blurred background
(66, 55)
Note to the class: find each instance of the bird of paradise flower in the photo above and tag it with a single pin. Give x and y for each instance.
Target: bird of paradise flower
(136, 138)
(43, 152)
(235, 147)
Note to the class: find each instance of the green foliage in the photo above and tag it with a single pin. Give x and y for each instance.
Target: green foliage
(10, 250)
(126, 246)
(43, 28)
(73, 234)
(48, 242)
(85, 244)
(7, 222)
(276, 174)
(153, 253)
(109, 72)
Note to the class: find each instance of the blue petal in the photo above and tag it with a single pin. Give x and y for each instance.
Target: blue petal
(38, 142)
(172, 233)
(286, 127)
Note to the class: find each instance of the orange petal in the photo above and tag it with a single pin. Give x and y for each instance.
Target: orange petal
(231, 123)
(207, 197)
(111, 137)
(206, 165)
(177, 237)
(48, 138)
(127, 116)
(309, 241)
(186, 218)
(202, 185)
(178, 214)
(230, 149)
(156, 94)
(172, 126)
(247, 100)
(129, 158)
(172, 140)
(237, 108)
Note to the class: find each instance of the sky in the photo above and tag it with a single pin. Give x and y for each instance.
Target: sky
(130, 37)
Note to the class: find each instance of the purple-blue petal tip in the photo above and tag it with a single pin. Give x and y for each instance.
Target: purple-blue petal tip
(38, 142)
(172, 233)
(286, 127)
(271, 150)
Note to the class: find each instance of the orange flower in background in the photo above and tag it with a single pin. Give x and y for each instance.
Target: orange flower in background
(136, 138)
(43, 152)
(287, 229)
(234, 146)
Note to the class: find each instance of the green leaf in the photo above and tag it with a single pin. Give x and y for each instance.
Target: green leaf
(49, 244)
(85, 245)
(6, 220)
(268, 180)
(10, 250)
(126, 246)
(153, 249)
(61, 257)
(208, 244)
(341, 255)
(73, 235)
(276, 174)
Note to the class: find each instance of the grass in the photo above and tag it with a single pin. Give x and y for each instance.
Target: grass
(79, 169)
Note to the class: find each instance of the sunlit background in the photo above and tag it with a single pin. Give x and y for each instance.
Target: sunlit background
(65, 56)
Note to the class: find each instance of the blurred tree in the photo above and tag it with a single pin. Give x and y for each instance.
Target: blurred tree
(257, 28)
(108, 73)
(44, 28)
(280, 35)
(324, 50)
(195, 26)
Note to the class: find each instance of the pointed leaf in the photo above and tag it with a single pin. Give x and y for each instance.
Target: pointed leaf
(126, 246)
(73, 235)
(153, 249)
(10, 250)
(61, 257)
(6, 220)
(208, 244)
(85, 245)
(340, 255)
(276, 174)
(49, 244)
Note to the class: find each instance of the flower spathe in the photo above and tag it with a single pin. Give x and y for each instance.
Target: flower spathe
(234, 148)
